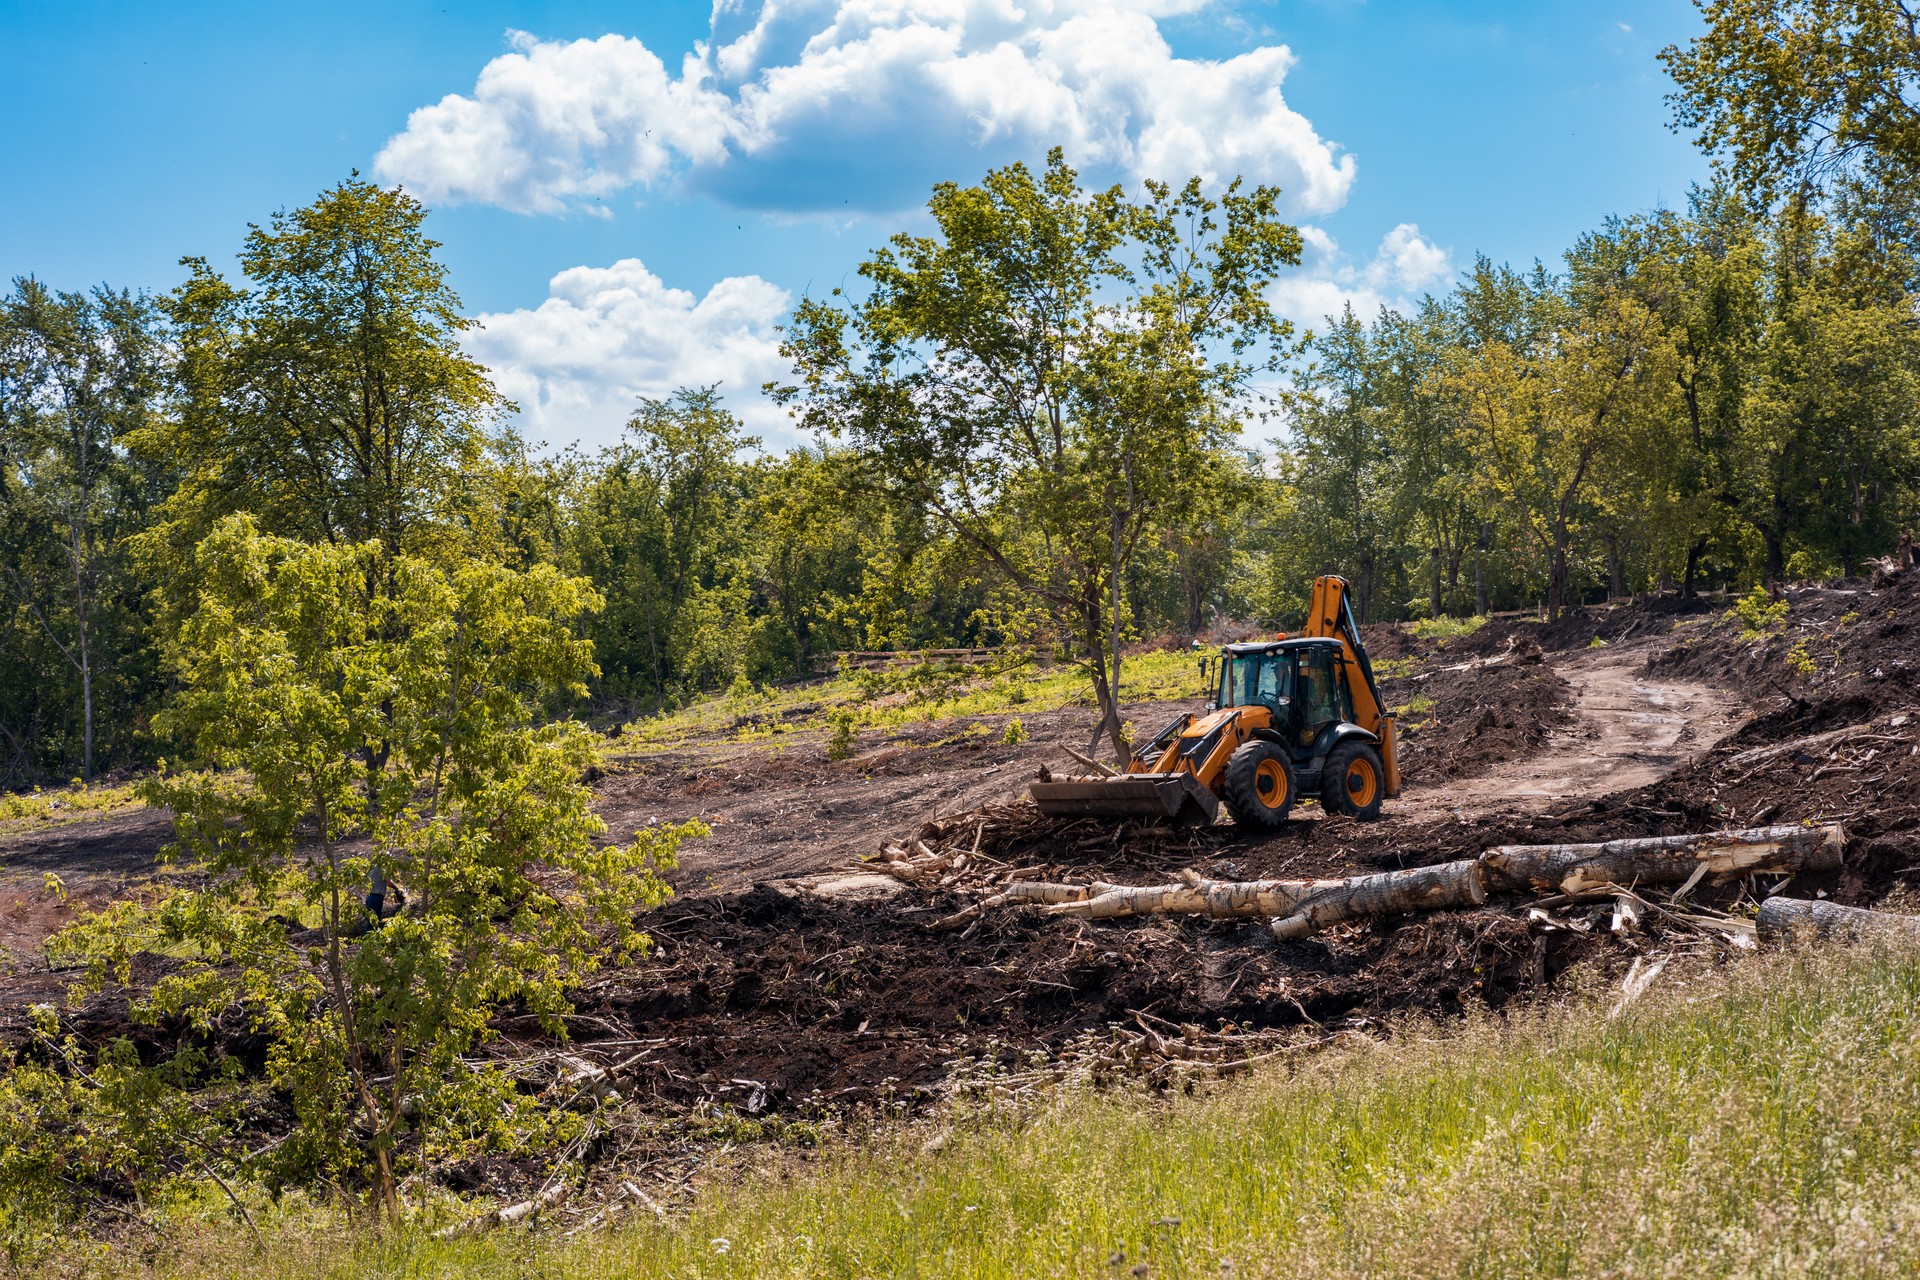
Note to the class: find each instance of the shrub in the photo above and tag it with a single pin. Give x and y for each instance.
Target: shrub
(1759, 612)
(1015, 733)
(845, 737)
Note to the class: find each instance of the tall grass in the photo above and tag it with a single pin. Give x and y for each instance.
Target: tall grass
(1762, 1121)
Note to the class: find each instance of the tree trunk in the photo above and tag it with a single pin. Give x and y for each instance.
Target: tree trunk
(1776, 555)
(1433, 591)
(1363, 586)
(1483, 545)
(1587, 868)
(1557, 576)
(1391, 893)
(1303, 906)
(1616, 577)
(1694, 552)
(1802, 920)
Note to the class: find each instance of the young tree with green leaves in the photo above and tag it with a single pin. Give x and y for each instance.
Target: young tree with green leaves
(1052, 376)
(292, 677)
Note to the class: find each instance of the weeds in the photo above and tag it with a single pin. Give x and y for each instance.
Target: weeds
(1442, 630)
(1759, 613)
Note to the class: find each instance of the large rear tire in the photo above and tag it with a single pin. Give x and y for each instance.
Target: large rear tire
(1353, 781)
(1258, 785)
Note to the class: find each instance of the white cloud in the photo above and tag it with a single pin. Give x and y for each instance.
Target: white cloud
(605, 336)
(1404, 266)
(819, 104)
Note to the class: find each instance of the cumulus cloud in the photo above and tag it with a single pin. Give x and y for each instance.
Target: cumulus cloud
(605, 336)
(810, 105)
(1404, 266)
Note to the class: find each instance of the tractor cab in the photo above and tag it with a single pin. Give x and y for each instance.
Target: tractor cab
(1301, 683)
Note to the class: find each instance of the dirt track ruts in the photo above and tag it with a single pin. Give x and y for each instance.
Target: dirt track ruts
(1628, 729)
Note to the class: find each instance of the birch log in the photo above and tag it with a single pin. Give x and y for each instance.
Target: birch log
(1589, 868)
(1391, 893)
(508, 1216)
(1305, 905)
(1801, 920)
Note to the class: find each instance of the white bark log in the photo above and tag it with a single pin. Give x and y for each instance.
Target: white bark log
(1589, 868)
(1391, 893)
(1803, 920)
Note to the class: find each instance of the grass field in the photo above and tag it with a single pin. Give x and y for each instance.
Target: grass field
(902, 697)
(1762, 1120)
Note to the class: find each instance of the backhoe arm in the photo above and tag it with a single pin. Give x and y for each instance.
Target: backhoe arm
(1330, 615)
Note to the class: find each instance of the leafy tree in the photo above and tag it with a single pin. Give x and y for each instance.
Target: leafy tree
(1342, 462)
(1799, 93)
(291, 674)
(660, 527)
(1543, 421)
(332, 398)
(1051, 377)
(79, 374)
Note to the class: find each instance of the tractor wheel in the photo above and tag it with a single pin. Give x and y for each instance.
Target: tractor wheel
(1352, 781)
(1258, 786)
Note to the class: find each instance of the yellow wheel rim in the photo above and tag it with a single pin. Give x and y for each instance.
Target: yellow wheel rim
(1363, 782)
(1270, 783)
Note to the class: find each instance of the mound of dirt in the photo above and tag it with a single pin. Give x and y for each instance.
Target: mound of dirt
(1460, 720)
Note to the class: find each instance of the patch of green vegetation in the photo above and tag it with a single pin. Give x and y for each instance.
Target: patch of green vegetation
(1442, 630)
(1759, 613)
(912, 695)
(1596, 643)
(21, 811)
(1753, 1121)
(1800, 660)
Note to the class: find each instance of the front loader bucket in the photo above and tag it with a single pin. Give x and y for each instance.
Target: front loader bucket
(1130, 795)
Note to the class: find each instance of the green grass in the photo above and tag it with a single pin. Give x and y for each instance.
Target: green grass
(804, 711)
(1441, 630)
(31, 810)
(1758, 1121)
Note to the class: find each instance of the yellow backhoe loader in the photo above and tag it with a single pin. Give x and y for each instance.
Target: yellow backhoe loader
(1290, 718)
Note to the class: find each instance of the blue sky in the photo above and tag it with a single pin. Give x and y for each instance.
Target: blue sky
(625, 220)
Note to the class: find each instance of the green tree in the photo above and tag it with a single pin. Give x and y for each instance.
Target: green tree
(1799, 93)
(1341, 463)
(79, 374)
(660, 528)
(292, 678)
(1051, 377)
(330, 397)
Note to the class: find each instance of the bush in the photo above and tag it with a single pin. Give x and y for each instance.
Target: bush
(1015, 733)
(1759, 612)
(845, 737)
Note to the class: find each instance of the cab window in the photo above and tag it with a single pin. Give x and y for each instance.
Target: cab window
(1318, 700)
(1257, 679)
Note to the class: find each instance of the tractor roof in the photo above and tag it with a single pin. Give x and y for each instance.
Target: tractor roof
(1269, 646)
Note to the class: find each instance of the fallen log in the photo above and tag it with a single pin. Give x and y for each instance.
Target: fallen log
(1804, 920)
(1303, 906)
(508, 1216)
(1391, 893)
(1592, 868)
(1221, 899)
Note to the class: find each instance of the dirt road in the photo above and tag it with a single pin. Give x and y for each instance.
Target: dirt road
(1627, 730)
